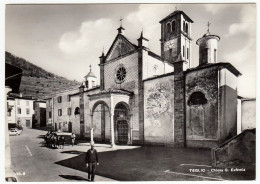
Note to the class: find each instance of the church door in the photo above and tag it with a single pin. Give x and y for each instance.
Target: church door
(122, 129)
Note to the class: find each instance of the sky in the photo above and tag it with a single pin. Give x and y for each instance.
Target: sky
(66, 39)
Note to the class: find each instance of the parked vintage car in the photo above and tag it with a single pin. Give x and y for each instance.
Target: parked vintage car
(15, 131)
(10, 175)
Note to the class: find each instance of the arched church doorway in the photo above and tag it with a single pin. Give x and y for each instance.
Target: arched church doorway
(101, 122)
(70, 127)
(122, 129)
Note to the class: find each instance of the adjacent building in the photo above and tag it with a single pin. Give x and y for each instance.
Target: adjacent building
(246, 114)
(20, 110)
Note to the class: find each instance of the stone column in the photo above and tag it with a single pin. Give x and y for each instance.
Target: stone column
(179, 107)
(92, 131)
(112, 121)
(112, 129)
(129, 130)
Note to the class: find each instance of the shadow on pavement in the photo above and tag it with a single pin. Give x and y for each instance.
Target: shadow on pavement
(71, 177)
(73, 152)
(143, 163)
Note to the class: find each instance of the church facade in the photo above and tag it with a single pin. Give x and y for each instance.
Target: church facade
(147, 99)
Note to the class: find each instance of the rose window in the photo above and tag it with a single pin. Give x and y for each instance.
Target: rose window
(120, 74)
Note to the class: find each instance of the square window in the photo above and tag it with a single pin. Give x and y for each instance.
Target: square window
(19, 111)
(27, 111)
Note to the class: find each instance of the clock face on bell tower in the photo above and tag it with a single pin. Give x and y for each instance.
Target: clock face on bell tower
(170, 44)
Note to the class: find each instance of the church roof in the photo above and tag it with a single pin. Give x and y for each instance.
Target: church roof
(229, 66)
(207, 36)
(120, 42)
(176, 12)
(90, 74)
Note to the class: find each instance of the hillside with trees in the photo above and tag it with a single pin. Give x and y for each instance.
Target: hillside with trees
(37, 82)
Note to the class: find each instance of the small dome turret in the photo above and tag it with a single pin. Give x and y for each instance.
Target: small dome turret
(208, 46)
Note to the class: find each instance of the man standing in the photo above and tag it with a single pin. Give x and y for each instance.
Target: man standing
(73, 137)
(91, 161)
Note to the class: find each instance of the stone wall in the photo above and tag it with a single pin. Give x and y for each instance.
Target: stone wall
(239, 150)
(159, 110)
(179, 109)
(202, 119)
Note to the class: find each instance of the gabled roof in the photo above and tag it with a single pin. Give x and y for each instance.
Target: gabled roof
(120, 46)
(176, 12)
(113, 91)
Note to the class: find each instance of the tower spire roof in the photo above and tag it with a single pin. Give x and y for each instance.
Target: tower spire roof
(90, 73)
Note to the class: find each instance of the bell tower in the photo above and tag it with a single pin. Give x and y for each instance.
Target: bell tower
(175, 39)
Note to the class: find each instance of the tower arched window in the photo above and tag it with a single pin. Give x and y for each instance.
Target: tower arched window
(184, 27)
(183, 54)
(187, 28)
(173, 26)
(168, 27)
(187, 53)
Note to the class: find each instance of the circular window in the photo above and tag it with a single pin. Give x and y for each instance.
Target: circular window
(120, 74)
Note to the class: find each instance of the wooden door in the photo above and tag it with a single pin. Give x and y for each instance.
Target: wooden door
(122, 129)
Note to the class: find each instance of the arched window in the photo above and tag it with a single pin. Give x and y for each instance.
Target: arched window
(187, 28)
(168, 27)
(197, 98)
(183, 54)
(173, 26)
(187, 53)
(184, 27)
(77, 111)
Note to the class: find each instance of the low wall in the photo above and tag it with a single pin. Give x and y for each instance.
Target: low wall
(236, 151)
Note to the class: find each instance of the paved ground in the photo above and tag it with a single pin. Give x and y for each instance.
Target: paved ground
(123, 163)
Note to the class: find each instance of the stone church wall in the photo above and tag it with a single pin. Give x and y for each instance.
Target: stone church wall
(202, 120)
(159, 110)
(131, 84)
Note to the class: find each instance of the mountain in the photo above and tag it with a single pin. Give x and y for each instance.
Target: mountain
(37, 82)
